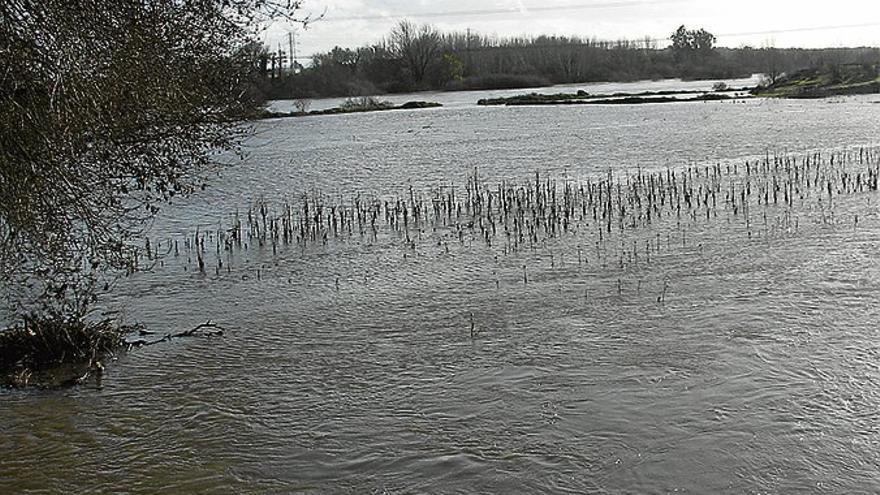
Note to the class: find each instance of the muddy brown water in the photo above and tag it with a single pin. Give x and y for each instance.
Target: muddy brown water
(349, 368)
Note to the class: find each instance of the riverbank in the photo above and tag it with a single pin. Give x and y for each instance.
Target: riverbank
(825, 82)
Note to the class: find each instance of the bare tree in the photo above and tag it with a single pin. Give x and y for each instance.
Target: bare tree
(771, 65)
(417, 46)
(302, 104)
(107, 110)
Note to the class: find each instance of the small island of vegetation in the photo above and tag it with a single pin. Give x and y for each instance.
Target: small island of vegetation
(352, 105)
(822, 82)
(582, 97)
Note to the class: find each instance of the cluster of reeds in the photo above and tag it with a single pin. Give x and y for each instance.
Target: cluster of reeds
(623, 218)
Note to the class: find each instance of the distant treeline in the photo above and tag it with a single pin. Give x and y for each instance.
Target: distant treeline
(414, 58)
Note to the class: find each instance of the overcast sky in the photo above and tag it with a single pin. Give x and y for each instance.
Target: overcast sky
(785, 23)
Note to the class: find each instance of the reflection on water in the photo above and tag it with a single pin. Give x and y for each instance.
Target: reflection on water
(351, 368)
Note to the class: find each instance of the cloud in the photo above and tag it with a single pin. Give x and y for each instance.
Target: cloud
(352, 23)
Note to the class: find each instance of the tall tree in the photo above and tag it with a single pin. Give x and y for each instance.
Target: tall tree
(702, 41)
(681, 40)
(692, 46)
(417, 46)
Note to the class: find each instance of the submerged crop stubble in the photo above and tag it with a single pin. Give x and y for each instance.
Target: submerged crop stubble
(616, 221)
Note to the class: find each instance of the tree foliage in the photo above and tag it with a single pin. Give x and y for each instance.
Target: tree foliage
(689, 46)
(692, 40)
(109, 108)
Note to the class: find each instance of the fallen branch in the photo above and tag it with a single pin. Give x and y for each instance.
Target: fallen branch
(207, 329)
(58, 352)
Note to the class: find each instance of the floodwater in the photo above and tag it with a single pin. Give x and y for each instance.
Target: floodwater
(459, 99)
(704, 354)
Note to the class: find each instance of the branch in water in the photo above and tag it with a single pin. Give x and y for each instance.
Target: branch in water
(207, 329)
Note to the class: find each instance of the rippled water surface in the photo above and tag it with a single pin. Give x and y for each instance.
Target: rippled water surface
(443, 364)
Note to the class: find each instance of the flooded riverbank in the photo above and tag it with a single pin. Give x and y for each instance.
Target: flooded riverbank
(740, 359)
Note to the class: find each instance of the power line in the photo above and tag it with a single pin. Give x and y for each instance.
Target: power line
(801, 30)
(783, 31)
(722, 35)
(482, 12)
(574, 7)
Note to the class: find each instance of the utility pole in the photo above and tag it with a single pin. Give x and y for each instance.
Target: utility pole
(468, 52)
(291, 40)
(282, 58)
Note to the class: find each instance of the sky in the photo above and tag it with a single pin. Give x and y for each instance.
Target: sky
(757, 23)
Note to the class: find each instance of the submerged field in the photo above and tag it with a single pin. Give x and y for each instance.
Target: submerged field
(593, 299)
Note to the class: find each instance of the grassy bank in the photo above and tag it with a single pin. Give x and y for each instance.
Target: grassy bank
(822, 83)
